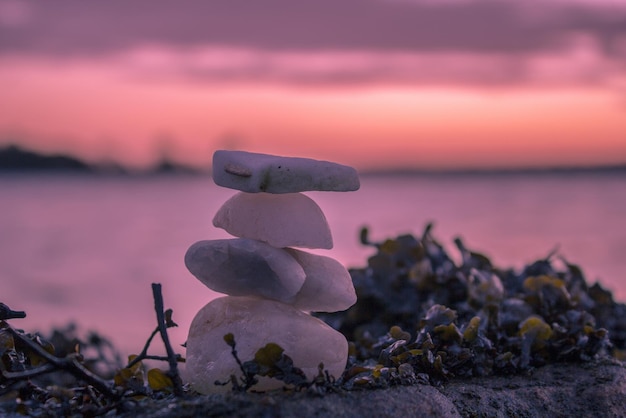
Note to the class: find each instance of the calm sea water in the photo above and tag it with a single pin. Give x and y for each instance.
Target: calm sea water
(86, 249)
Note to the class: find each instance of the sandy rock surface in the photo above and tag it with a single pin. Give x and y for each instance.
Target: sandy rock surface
(558, 390)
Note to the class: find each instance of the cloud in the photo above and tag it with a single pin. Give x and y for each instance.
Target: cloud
(581, 62)
(329, 41)
(14, 13)
(84, 28)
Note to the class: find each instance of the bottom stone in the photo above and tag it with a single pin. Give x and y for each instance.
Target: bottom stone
(254, 323)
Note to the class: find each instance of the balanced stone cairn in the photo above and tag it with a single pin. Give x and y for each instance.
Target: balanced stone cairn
(270, 286)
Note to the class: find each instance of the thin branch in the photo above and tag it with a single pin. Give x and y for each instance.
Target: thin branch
(8, 313)
(179, 358)
(69, 364)
(171, 356)
(233, 352)
(25, 374)
(144, 353)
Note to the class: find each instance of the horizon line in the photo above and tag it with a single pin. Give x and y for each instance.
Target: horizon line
(170, 165)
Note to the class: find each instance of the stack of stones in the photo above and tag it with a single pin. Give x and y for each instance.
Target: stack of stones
(270, 286)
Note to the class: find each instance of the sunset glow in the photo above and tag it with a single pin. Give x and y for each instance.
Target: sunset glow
(464, 101)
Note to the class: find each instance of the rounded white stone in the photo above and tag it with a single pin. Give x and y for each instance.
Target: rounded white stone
(328, 285)
(245, 267)
(281, 220)
(252, 172)
(255, 323)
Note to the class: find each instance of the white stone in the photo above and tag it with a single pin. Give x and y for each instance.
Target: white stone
(281, 220)
(328, 285)
(255, 323)
(253, 173)
(243, 267)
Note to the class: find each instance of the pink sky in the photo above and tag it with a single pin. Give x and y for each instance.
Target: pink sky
(400, 83)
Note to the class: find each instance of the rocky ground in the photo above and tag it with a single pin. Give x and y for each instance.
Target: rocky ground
(427, 338)
(558, 390)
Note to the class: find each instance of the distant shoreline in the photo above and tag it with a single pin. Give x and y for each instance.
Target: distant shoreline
(619, 169)
(16, 160)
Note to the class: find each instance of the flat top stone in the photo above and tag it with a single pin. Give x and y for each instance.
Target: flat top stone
(253, 173)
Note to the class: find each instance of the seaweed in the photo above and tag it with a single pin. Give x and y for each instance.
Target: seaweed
(421, 317)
